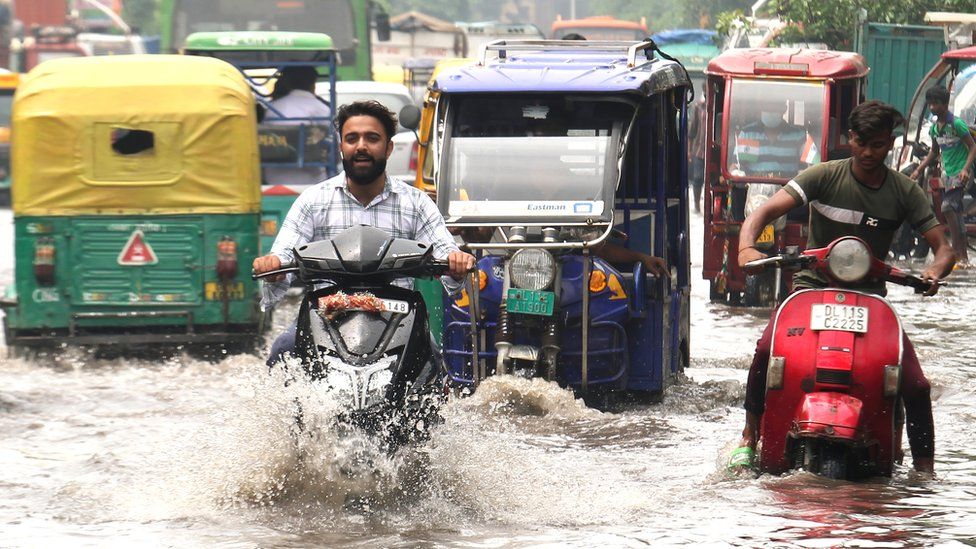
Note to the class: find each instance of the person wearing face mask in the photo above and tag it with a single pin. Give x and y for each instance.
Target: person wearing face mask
(771, 146)
(362, 194)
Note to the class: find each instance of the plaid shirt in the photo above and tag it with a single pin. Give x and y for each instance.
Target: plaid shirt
(324, 210)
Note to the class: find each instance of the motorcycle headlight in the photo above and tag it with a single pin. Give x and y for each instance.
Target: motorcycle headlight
(758, 194)
(849, 260)
(532, 269)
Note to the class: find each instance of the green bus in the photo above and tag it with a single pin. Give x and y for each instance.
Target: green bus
(347, 22)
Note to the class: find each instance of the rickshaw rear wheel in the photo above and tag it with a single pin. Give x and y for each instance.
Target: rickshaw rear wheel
(713, 291)
(758, 291)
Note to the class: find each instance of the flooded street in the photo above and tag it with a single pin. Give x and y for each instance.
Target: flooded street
(185, 452)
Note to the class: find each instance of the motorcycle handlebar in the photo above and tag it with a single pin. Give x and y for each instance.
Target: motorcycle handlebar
(920, 285)
(289, 267)
(780, 261)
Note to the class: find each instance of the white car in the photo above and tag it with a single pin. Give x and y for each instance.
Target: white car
(403, 162)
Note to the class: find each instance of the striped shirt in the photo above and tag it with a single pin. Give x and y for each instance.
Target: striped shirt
(757, 154)
(324, 210)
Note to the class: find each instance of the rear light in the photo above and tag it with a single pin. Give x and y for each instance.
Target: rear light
(44, 261)
(226, 259)
(414, 152)
(892, 380)
(269, 227)
(598, 281)
(774, 374)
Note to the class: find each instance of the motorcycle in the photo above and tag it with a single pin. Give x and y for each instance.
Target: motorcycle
(365, 340)
(832, 386)
(907, 241)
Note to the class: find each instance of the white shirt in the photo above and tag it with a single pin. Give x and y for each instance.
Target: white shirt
(297, 104)
(300, 105)
(323, 211)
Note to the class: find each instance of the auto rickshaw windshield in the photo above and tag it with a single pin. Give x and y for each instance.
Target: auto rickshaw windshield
(533, 155)
(775, 128)
(963, 99)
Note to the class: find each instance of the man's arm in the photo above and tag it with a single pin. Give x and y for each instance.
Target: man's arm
(778, 205)
(971, 145)
(296, 229)
(615, 253)
(433, 231)
(929, 158)
(944, 260)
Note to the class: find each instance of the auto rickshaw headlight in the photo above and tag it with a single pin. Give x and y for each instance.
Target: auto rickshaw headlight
(849, 260)
(532, 269)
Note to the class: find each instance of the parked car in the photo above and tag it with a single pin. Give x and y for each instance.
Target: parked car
(403, 162)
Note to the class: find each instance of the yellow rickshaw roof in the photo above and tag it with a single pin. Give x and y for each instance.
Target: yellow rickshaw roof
(134, 134)
(115, 71)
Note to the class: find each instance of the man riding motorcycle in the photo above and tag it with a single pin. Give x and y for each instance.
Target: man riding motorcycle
(362, 194)
(862, 197)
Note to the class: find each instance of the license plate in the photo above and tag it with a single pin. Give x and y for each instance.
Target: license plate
(214, 291)
(843, 318)
(395, 306)
(530, 302)
(767, 236)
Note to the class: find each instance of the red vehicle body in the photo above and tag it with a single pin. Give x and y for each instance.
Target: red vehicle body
(944, 72)
(818, 89)
(41, 13)
(834, 373)
(600, 27)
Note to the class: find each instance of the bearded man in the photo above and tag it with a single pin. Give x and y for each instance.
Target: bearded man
(363, 194)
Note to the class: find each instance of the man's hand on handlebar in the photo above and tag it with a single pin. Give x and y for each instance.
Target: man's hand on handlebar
(460, 264)
(267, 263)
(750, 254)
(931, 275)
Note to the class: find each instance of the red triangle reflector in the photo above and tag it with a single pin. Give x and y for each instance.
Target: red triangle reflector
(137, 251)
(279, 190)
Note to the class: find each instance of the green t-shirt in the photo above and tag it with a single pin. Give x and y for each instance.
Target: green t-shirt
(840, 205)
(952, 148)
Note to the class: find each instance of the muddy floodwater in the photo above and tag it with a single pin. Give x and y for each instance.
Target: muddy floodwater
(182, 452)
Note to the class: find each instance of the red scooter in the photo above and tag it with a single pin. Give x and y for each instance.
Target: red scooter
(832, 387)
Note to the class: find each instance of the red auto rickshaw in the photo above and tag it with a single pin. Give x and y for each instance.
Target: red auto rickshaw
(956, 70)
(770, 112)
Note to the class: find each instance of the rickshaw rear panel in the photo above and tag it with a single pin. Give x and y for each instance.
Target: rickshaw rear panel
(130, 216)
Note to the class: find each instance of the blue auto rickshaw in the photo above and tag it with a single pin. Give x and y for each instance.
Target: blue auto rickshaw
(554, 149)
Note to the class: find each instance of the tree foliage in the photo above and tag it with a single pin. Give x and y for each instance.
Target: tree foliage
(834, 22)
(141, 14)
(666, 14)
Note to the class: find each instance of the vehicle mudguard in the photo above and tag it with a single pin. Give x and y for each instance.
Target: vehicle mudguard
(832, 415)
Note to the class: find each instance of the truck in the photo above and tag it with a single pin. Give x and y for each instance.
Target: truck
(899, 57)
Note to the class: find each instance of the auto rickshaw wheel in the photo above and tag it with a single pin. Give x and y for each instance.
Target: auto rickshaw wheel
(759, 290)
(716, 290)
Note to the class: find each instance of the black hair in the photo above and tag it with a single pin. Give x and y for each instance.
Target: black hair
(301, 77)
(874, 118)
(573, 36)
(937, 94)
(368, 108)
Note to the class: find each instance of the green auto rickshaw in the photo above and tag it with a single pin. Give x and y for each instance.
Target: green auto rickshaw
(136, 189)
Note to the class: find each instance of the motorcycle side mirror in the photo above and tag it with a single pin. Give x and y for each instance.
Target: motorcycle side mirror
(382, 21)
(410, 117)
